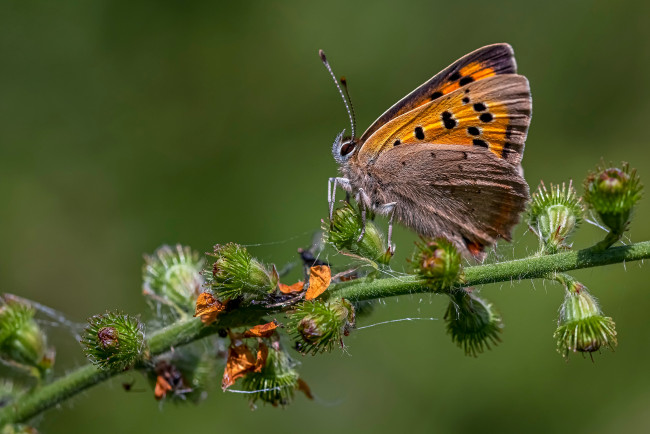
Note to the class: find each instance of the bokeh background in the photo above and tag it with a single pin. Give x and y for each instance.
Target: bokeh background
(127, 125)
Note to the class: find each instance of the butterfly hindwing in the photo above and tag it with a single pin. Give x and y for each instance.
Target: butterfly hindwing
(485, 62)
(492, 113)
(471, 197)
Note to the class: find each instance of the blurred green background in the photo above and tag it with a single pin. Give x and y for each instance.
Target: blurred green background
(127, 125)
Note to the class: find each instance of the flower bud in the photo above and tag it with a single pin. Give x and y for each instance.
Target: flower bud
(276, 382)
(554, 215)
(18, 428)
(236, 273)
(318, 325)
(581, 325)
(21, 339)
(472, 322)
(114, 341)
(612, 193)
(173, 276)
(437, 261)
(344, 230)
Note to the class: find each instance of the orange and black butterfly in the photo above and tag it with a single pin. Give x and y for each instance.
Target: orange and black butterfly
(446, 159)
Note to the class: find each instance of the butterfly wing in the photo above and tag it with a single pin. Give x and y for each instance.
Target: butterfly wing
(493, 113)
(452, 165)
(485, 62)
(470, 196)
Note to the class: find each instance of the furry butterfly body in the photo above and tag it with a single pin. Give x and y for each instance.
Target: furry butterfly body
(446, 159)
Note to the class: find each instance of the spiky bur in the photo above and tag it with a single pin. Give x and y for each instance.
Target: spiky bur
(472, 322)
(235, 273)
(22, 341)
(276, 382)
(582, 327)
(114, 341)
(612, 193)
(344, 230)
(319, 325)
(438, 262)
(173, 276)
(554, 215)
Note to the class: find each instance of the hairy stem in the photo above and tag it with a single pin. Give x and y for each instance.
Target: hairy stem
(190, 329)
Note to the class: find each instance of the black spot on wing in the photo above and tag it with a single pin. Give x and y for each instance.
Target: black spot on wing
(448, 120)
(479, 142)
(465, 80)
(436, 95)
(419, 133)
(479, 107)
(486, 117)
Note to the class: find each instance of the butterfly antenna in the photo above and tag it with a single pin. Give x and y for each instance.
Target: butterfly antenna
(336, 82)
(344, 82)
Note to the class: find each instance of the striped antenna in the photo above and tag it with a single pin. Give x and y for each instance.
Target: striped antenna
(346, 101)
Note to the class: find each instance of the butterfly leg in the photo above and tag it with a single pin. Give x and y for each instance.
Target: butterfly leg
(362, 200)
(332, 183)
(388, 208)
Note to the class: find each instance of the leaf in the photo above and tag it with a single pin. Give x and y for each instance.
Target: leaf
(240, 362)
(208, 308)
(289, 289)
(262, 330)
(320, 277)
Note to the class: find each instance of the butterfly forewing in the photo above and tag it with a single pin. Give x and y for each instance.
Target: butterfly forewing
(493, 113)
(485, 62)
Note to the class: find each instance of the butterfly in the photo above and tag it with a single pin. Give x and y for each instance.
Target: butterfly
(445, 160)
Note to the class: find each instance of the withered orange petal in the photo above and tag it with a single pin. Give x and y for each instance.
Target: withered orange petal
(304, 388)
(208, 307)
(261, 331)
(162, 387)
(240, 361)
(289, 289)
(262, 355)
(320, 277)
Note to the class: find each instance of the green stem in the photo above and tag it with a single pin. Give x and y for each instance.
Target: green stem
(608, 241)
(187, 330)
(519, 269)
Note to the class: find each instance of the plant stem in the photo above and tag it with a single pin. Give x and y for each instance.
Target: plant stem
(519, 269)
(190, 329)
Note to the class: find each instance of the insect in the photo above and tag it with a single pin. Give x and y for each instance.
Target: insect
(446, 159)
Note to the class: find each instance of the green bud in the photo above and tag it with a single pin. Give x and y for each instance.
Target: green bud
(472, 322)
(554, 215)
(114, 341)
(236, 273)
(437, 261)
(318, 325)
(612, 193)
(174, 277)
(18, 429)
(276, 382)
(581, 325)
(21, 339)
(344, 230)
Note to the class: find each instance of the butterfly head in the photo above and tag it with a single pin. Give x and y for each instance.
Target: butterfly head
(343, 148)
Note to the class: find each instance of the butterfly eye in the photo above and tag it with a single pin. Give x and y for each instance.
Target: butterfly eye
(347, 148)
